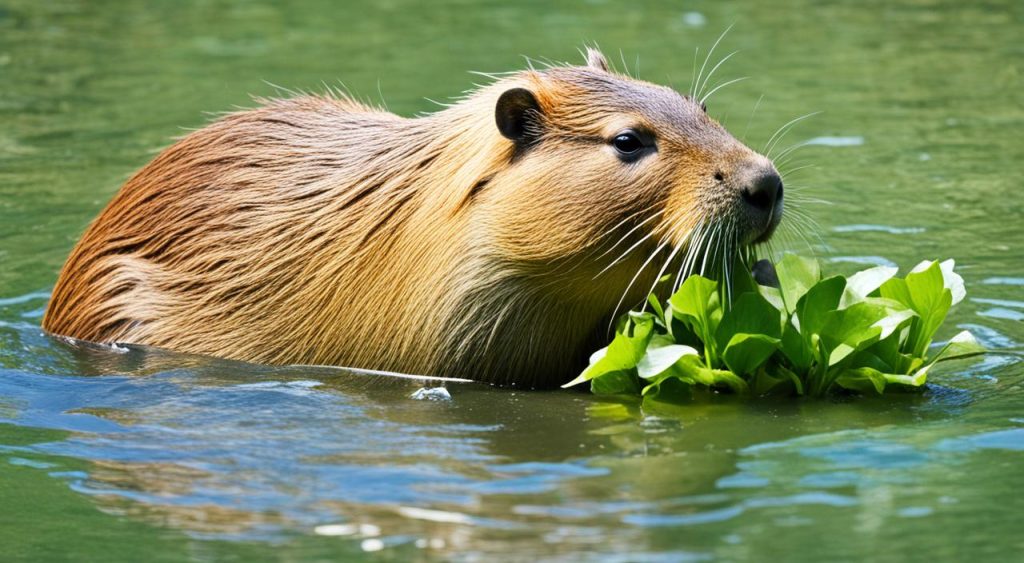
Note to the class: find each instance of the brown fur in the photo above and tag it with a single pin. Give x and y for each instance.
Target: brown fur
(318, 230)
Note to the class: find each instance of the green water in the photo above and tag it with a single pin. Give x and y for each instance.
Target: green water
(156, 456)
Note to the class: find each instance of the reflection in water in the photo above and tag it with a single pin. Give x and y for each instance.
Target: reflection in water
(231, 451)
(234, 451)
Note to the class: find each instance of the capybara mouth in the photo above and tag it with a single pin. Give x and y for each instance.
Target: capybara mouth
(773, 224)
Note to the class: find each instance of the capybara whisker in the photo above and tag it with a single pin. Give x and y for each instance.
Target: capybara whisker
(707, 96)
(695, 92)
(781, 132)
(699, 95)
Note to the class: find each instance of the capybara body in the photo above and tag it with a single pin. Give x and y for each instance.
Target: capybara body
(492, 240)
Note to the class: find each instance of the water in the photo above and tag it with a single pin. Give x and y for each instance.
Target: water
(148, 455)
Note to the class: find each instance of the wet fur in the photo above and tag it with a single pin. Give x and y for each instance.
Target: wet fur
(316, 230)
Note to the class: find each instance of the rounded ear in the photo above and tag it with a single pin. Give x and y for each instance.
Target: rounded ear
(517, 114)
(596, 60)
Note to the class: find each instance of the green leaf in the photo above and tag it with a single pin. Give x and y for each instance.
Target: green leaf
(883, 355)
(853, 324)
(658, 360)
(863, 380)
(723, 378)
(931, 301)
(796, 276)
(693, 296)
(858, 327)
(812, 310)
(696, 304)
(668, 389)
(624, 352)
(916, 380)
(775, 379)
(692, 370)
(796, 349)
(868, 334)
(861, 284)
(658, 340)
(742, 279)
(754, 314)
(656, 305)
(615, 383)
(963, 345)
(763, 383)
(896, 290)
(952, 281)
(797, 384)
(746, 352)
(693, 302)
(895, 320)
(843, 351)
(751, 313)
(773, 296)
(923, 291)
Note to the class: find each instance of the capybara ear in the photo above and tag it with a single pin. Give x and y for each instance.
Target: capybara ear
(596, 60)
(518, 116)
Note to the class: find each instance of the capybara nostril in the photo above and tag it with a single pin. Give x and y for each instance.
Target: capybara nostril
(763, 191)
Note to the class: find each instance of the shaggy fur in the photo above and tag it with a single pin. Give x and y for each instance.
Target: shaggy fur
(317, 230)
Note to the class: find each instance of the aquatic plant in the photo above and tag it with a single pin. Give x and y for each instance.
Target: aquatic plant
(804, 335)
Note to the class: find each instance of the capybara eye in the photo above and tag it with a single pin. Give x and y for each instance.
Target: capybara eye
(627, 144)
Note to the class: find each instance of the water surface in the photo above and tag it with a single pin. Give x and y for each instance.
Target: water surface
(110, 454)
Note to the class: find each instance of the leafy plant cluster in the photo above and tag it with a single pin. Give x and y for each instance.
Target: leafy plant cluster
(868, 333)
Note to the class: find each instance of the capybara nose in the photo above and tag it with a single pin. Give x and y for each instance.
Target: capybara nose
(763, 190)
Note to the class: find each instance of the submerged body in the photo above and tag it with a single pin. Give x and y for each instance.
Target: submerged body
(494, 240)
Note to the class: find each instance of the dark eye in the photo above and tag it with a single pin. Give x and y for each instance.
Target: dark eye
(627, 144)
(703, 107)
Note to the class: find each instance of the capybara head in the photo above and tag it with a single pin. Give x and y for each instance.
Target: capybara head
(609, 172)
